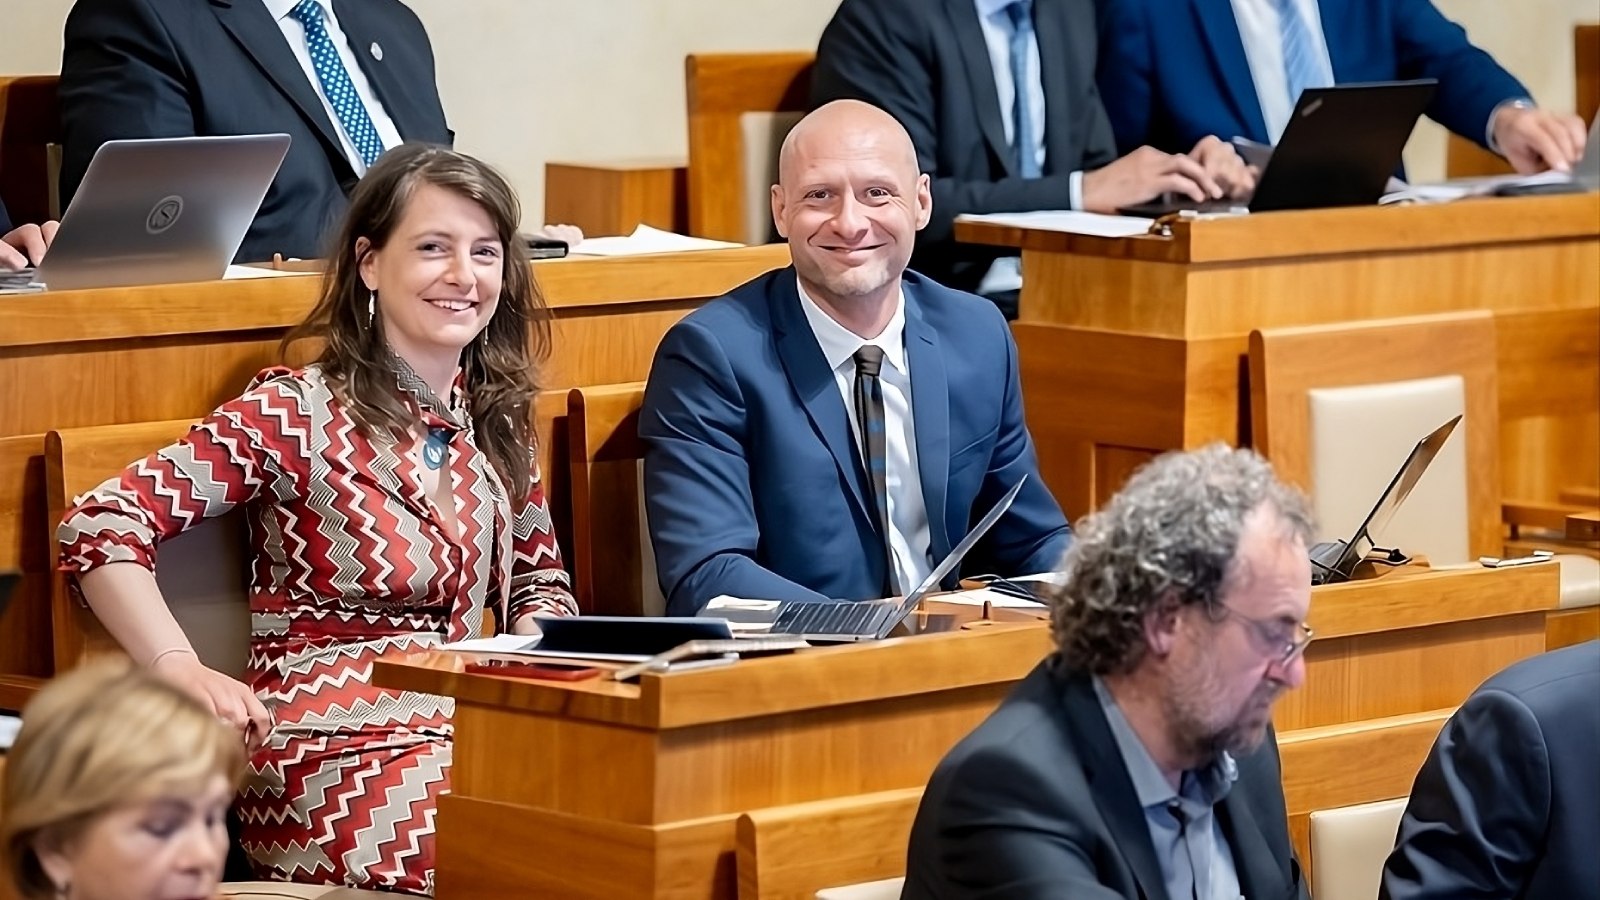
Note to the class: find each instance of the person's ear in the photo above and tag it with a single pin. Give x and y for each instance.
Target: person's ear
(778, 206)
(55, 858)
(367, 263)
(1161, 626)
(924, 201)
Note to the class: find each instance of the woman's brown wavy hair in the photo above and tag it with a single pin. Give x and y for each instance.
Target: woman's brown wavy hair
(499, 366)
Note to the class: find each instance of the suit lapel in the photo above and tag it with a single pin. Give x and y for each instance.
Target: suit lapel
(813, 383)
(930, 414)
(363, 37)
(1113, 791)
(1252, 858)
(251, 25)
(1055, 71)
(980, 75)
(1221, 30)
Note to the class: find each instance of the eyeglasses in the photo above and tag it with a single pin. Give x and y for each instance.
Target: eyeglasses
(1271, 634)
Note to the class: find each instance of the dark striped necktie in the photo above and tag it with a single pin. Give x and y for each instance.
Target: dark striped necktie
(870, 419)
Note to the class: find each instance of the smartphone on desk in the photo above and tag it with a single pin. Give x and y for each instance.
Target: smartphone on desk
(541, 671)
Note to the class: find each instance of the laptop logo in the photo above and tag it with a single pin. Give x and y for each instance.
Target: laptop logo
(164, 215)
(1312, 107)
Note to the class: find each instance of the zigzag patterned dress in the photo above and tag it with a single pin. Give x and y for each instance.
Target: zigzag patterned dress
(349, 562)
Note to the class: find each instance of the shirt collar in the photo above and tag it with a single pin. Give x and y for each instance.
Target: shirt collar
(1211, 784)
(278, 9)
(987, 8)
(839, 343)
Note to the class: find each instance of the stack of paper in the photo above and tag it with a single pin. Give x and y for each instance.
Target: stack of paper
(1069, 221)
(645, 240)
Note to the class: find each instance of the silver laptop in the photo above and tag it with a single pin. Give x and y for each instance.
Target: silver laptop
(870, 620)
(161, 211)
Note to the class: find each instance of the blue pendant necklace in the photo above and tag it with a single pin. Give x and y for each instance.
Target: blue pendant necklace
(435, 448)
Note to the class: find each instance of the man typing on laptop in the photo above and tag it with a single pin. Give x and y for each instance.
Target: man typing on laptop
(829, 430)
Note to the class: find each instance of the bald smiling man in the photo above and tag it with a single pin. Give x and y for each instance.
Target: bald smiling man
(830, 430)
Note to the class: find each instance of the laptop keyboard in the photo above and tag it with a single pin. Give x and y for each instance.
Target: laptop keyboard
(830, 618)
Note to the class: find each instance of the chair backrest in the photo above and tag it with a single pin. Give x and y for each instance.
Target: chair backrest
(795, 852)
(1337, 409)
(1586, 70)
(612, 563)
(30, 141)
(741, 106)
(887, 889)
(1349, 846)
(202, 573)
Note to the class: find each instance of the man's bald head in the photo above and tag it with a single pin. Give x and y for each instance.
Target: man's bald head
(845, 129)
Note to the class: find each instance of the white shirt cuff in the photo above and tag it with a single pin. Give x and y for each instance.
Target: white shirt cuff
(1075, 190)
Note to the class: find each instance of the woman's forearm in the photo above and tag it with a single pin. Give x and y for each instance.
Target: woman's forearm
(127, 601)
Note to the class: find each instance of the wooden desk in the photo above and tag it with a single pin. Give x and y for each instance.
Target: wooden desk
(1151, 331)
(635, 791)
(615, 196)
(101, 357)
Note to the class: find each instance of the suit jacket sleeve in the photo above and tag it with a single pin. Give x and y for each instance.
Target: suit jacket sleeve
(882, 53)
(1124, 75)
(120, 78)
(1033, 537)
(697, 482)
(999, 834)
(1478, 810)
(5, 219)
(1471, 83)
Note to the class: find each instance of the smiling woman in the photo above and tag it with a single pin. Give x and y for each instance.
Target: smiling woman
(392, 495)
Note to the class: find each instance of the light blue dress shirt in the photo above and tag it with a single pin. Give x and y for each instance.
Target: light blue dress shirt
(1196, 860)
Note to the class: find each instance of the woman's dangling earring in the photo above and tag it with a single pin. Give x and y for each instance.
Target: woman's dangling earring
(372, 305)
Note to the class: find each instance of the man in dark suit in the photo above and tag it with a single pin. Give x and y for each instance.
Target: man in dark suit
(170, 68)
(949, 71)
(1175, 70)
(1508, 803)
(24, 245)
(762, 480)
(1138, 760)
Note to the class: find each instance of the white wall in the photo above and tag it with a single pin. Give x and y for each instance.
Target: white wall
(525, 81)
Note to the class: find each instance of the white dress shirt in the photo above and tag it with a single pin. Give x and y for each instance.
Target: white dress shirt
(295, 34)
(1006, 272)
(1263, 49)
(908, 513)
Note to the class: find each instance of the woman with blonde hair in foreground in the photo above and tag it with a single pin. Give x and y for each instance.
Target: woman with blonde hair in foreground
(116, 789)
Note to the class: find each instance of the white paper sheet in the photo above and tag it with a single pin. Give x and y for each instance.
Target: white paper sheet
(646, 240)
(258, 272)
(984, 595)
(1069, 221)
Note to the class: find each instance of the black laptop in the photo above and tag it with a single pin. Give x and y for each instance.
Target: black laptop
(1335, 561)
(1340, 147)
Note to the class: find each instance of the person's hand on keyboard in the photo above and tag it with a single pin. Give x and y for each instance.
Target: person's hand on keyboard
(26, 245)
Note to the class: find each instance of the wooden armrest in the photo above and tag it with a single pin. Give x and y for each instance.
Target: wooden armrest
(1537, 514)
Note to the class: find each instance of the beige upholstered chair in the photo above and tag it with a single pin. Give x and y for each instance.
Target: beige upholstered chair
(202, 572)
(888, 889)
(1337, 408)
(1349, 846)
(741, 106)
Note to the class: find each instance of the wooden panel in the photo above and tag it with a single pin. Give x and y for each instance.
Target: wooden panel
(721, 87)
(1325, 232)
(791, 852)
(1286, 364)
(1549, 378)
(30, 121)
(1566, 627)
(607, 560)
(615, 196)
(494, 851)
(25, 546)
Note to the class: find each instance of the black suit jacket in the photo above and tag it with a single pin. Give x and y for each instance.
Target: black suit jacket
(5, 218)
(1508, 803)
(171, 68)
(1036, 804)
(925, 62)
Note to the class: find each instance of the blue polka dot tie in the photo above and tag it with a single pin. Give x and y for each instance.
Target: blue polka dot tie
(336, 83)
